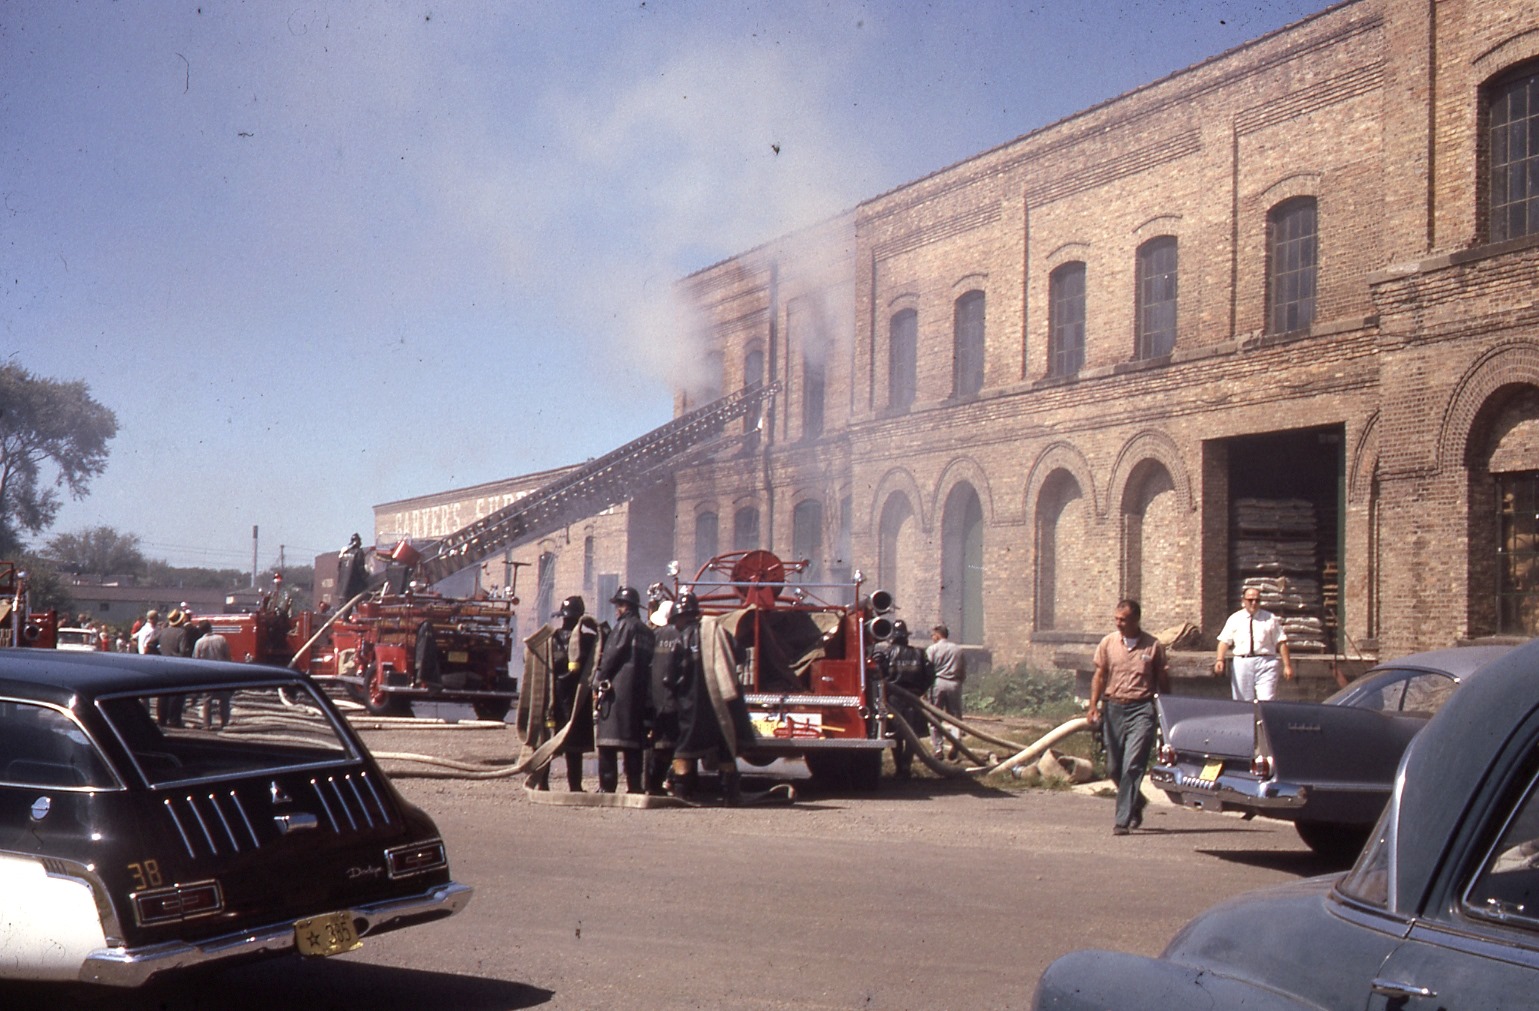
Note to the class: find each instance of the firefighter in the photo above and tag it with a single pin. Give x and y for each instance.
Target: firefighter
(907, 667)
(620, 686)
(573, 648)
(662, 708)
(699, 730)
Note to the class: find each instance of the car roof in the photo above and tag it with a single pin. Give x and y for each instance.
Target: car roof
(1459, 661)
(1449, 759)
(61, 676)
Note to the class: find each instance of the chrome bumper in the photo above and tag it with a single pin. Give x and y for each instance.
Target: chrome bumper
(1228, 791)
(130, 967)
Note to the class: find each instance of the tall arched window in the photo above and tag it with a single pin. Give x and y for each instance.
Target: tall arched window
(545, 595)
(894, 530)
(1512, 143)
(753, 374)
(745, 529)
(807, 538)
(962, 564)
(902, 359)
(814, 393)
(1066, 316)
(1292, 255)
(1059, 510)
(1156, 298)
(707, 545)
(967, 345)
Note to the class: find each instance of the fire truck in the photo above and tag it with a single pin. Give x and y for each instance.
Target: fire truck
(803, 656)
(397, 644)
(402, 642)
(19, 624)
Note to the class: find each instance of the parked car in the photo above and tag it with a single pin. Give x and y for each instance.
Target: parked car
(80, 640)
(1325, 766)
(1441, 910)
(161, 813)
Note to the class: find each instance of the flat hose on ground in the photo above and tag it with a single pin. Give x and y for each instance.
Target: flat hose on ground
(1022, 757)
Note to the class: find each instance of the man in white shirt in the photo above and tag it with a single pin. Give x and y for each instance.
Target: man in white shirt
(1258, 641)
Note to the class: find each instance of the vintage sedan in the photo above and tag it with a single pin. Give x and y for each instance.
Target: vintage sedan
(160, 813)
(1325, 766)
(1440, 911)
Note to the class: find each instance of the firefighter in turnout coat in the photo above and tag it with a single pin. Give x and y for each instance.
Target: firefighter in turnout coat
(573, 650)
(621, 686)
(907, 667)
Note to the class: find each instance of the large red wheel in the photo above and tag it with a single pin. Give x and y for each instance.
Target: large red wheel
(765, 576)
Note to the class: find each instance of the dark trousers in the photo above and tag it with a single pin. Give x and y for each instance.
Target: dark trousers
(1128, 732)
(609, 769)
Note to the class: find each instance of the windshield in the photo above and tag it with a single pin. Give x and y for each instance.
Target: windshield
(226, 731)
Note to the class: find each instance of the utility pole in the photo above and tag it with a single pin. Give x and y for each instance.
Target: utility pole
(253, 555)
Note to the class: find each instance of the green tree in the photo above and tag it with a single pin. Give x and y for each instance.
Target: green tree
(97, 551)
(53, 436)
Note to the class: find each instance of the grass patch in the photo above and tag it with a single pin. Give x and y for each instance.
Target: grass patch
(1022, 691)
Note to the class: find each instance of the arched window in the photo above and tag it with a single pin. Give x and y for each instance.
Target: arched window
(807, 538)
(545, 595)
(1060, 507)
(962, 564)
(753, 374)
(745, 529)
(1292, 255)
(1066, 315)
(706, 538)
(1156, 298)
(1156, 547)
(967, 345)
(814, 392)
(893, 534)
(902, 359)
(1512, 143)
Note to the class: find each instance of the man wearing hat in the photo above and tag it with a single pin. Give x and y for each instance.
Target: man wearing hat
(620, 686)
(174, 641)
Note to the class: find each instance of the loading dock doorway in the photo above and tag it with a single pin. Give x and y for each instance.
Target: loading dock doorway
(1285, 529)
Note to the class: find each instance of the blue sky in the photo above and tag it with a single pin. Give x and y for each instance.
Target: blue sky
(322, 256)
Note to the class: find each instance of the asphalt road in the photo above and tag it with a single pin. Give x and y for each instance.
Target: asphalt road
(925, 895)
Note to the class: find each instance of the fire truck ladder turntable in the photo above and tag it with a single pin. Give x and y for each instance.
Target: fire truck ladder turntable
(598, 484)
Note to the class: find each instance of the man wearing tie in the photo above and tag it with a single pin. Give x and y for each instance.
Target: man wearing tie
(1258, 640)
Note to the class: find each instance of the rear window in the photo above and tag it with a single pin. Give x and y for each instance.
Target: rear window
(44, 748)
(226, 732)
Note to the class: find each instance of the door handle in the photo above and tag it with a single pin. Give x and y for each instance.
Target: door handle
(1394, 988)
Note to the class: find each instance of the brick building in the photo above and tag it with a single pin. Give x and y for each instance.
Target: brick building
(1270, 319)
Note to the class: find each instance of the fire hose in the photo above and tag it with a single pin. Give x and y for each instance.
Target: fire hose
(1023, 755)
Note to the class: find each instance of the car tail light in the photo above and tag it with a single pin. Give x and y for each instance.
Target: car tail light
(181, 902)
(418, 858)
(1261, 767)
(1167, 755)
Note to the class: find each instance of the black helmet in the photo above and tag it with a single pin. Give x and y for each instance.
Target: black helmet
(900, 631)
(572, 607)
(687, 606)
(627, 595)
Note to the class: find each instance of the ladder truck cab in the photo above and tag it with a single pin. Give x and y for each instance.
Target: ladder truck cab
(803, 663)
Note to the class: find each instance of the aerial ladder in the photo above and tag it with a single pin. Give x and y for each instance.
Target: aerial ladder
(606, 481)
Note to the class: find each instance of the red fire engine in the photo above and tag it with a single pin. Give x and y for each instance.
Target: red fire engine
(803, 663)
(19, 624)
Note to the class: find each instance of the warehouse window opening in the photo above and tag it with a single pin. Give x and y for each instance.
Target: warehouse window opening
(1292, 255)
(1156, 298)
(1512, 146)
(1066, 312)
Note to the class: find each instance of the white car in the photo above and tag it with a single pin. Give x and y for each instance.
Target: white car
(79, 640)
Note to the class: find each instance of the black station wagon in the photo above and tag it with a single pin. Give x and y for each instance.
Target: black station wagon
(161, 813)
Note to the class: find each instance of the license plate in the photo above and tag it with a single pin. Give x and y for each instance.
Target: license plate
(459, 656)
(1211, 770)
(327, 934)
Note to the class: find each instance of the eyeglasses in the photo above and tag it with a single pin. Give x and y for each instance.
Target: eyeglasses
(1251, 600)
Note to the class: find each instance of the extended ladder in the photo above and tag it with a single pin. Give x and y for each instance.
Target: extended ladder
(598, 484)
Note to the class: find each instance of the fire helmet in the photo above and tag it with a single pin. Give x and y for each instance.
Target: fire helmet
(572, 607)
(627, 595)
(900, 631)
(687, 606)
